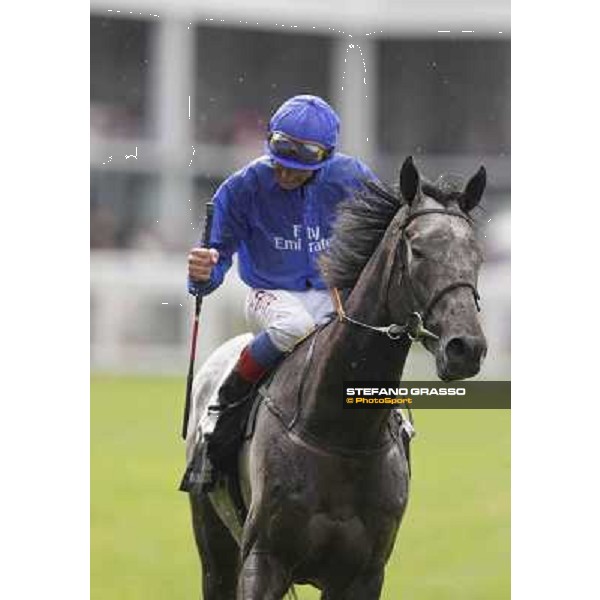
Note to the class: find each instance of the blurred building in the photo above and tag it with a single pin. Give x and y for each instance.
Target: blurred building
(181, 94)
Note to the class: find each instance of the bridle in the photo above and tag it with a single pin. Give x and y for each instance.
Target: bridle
(437, 296)
(415, 327)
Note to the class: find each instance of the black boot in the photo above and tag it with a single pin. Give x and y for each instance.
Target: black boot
(233, 390)
(218, 448)
(225, 437)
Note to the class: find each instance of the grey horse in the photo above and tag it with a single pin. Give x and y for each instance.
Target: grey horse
(325, 487)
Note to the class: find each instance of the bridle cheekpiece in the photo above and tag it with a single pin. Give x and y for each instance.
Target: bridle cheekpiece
(415, 327)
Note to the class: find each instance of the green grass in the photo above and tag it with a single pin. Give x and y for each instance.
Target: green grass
(454, 541)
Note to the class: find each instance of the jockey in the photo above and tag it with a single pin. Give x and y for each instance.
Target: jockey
(277, 213)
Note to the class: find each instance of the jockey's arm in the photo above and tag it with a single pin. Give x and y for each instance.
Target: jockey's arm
(201, 262)
(207, 266)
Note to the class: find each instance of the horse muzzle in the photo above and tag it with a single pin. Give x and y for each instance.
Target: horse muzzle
(460, 357)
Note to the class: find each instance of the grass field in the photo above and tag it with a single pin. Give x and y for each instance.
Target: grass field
(454, 542)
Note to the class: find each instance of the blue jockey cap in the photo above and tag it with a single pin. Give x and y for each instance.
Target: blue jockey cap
(309, 119)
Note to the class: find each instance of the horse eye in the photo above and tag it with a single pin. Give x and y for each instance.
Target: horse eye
(417, 253)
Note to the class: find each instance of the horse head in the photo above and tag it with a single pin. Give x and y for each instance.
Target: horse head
(413, 258)
(437, 271)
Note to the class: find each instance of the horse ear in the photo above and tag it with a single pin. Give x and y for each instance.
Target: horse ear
(409, 180)
(473, 191)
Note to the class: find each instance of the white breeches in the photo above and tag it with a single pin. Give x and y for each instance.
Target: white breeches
(287, 316)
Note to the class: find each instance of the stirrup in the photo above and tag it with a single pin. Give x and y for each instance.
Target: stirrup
(200, 475)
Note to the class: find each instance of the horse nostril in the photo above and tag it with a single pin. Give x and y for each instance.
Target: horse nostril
(456, 349)
(465, 348)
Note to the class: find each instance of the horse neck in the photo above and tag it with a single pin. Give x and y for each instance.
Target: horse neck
(352, 353)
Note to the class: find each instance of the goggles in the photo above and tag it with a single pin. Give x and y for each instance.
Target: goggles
(284, 146)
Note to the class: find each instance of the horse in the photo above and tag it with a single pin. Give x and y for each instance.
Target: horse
(325, 487)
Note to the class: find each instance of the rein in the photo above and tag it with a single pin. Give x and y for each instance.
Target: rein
(414, 327)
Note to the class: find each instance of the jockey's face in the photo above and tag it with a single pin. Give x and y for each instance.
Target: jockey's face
(290, 179)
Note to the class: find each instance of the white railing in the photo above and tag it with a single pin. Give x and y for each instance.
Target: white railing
(141, 316)
(141, 313)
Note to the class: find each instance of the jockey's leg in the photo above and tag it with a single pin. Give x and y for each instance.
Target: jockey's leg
(221, 444)
(218, 445)
(284, 316)
(282, 319)
(255, 360)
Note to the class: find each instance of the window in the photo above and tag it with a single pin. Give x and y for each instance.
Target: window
(242, 76)
(123, 210)
(118, 76)
(450, 96)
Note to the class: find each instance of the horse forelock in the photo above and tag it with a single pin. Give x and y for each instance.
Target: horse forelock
(447, 190)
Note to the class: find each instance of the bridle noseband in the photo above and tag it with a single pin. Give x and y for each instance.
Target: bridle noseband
(414, 328)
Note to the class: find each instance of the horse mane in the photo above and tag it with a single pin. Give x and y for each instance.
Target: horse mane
(359, 227)
(362, 222)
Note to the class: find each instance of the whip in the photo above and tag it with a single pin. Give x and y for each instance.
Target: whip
(190, 375)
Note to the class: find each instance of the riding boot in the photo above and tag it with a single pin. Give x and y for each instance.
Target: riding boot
(217, 445)
(221, 440)
(203, 472)
(233, 389)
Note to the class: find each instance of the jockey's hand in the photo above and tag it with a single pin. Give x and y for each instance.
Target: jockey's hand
(201, 262)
